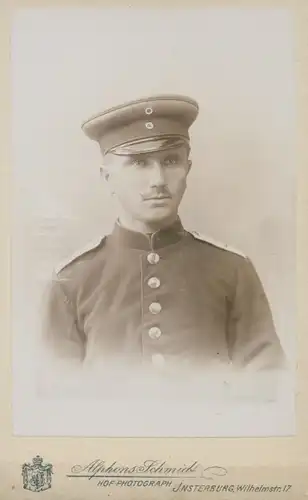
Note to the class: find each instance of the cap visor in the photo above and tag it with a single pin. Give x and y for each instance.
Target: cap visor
(149, 146)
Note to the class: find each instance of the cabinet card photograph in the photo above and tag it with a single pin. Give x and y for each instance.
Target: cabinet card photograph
(154, 222)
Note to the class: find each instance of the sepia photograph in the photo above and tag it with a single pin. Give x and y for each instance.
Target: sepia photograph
(154, 222)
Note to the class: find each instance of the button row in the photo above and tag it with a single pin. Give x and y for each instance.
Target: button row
(155, 308)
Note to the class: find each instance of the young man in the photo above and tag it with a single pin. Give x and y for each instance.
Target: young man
(152, 292)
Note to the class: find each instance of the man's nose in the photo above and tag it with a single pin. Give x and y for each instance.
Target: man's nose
(157, 174)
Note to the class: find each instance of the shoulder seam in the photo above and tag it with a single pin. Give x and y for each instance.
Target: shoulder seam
(218, 244)
(88, 248)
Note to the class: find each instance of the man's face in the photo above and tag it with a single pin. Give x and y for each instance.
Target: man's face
(149, 186)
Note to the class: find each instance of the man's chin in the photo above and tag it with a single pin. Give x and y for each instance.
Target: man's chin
(158, 214)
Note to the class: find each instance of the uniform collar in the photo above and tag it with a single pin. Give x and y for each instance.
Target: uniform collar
(131, 239)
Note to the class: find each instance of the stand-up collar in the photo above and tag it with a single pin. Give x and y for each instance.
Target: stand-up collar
(170, 235)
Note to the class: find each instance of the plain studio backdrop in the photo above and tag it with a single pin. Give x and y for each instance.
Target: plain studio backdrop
(68, 64)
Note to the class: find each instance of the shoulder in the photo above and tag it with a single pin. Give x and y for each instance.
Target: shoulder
(217, 244)
(84, 254)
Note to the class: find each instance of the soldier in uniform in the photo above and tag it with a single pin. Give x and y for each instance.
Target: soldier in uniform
(153, 292)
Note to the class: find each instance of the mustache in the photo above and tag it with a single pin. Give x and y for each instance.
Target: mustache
(158, 193)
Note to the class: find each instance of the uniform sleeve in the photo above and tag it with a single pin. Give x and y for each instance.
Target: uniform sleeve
(61, 338)
(252, 338)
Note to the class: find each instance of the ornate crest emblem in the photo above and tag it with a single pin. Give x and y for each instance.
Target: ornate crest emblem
(37, 476)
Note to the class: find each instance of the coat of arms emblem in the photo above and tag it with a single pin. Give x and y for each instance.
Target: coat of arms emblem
(37, 476)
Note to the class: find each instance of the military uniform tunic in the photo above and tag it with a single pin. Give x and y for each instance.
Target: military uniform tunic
(170, 297)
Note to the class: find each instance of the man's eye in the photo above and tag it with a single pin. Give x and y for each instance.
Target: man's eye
(170, 161)
(138, 163)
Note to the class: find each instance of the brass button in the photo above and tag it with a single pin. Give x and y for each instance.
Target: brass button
(158, 360)
(155, 307)
(149, 125)
(154, 332)
(148, 111)
(154, 282)
(153, 258)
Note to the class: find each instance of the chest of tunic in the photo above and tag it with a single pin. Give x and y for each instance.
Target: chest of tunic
(156, 304)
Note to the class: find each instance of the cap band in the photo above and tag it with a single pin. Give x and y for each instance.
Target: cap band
(138, 130)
